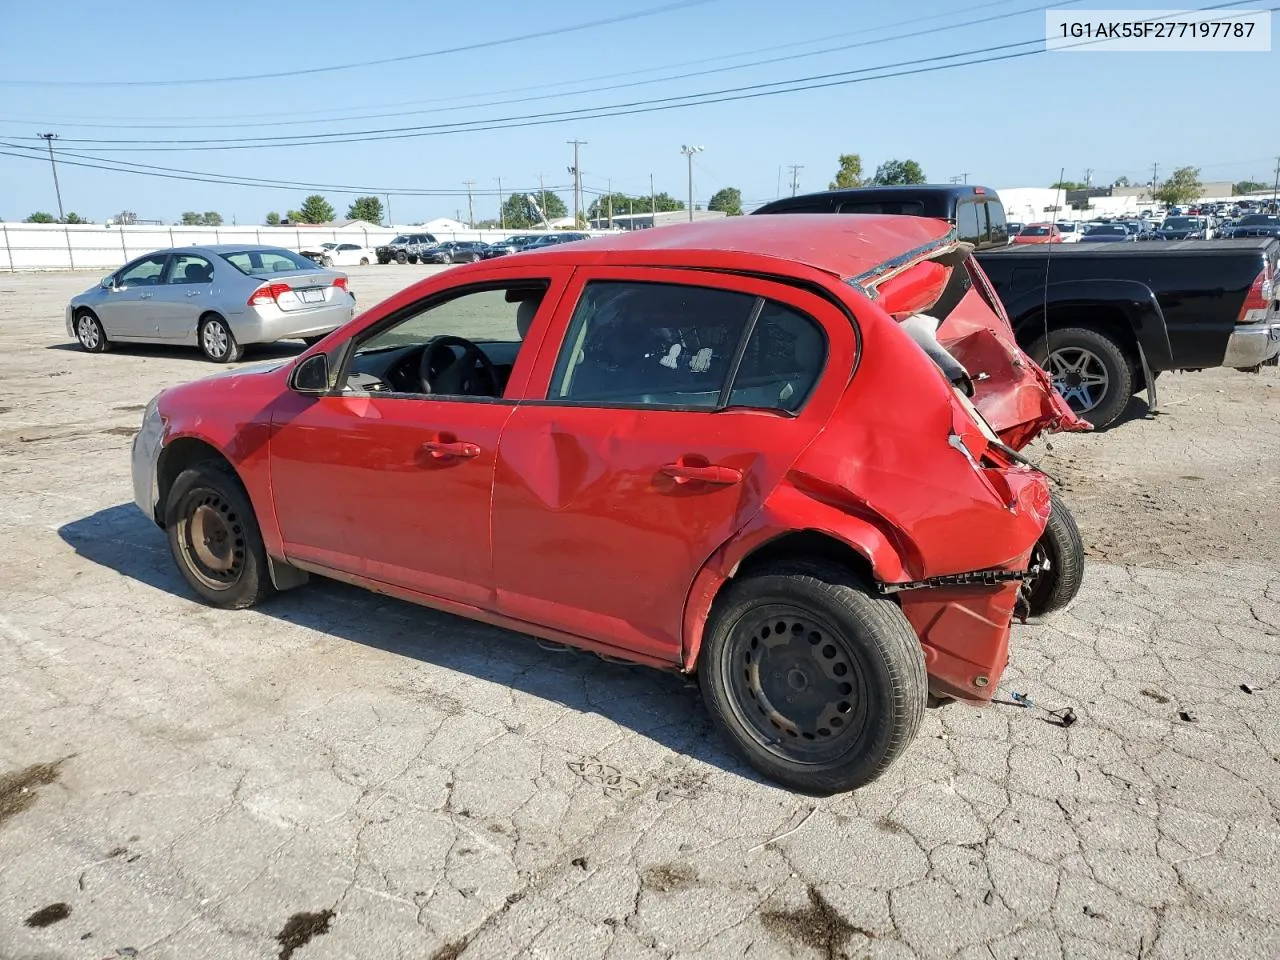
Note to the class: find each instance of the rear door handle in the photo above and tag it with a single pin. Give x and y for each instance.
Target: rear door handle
(193, 293)
(712, 473)
(441, 449)
(145, 296)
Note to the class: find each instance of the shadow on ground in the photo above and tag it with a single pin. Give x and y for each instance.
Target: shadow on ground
(254, 352)
(664, 707)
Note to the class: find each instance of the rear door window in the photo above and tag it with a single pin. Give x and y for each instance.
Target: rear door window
(188, 268)
(677, 346)
(967, 223)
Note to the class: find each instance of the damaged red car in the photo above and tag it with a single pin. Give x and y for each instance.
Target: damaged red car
(710, 448)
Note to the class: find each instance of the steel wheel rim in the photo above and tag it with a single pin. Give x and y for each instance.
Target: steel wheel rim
(796, 685)
(1080, 376)
(211, 539)
(215, 340)
(88, 331)
(1039, 582)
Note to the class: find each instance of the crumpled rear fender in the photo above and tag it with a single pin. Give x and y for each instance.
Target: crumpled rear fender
(790, 510)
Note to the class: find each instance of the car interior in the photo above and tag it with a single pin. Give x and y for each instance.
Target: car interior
(415, 356)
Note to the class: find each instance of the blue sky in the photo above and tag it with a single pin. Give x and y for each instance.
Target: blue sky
(1010, 123)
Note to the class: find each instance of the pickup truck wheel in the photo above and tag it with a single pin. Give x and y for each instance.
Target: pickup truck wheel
(402, 257)
(819, 683)
(214, 537)
(1060, 554)
(1089, 370)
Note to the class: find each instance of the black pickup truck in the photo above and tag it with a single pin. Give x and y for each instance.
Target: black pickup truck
(1099, 317)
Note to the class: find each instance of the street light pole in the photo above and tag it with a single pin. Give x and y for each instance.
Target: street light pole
(502, 213)
(689, 151)
(471, 208)
(576, 170)
(49, 138)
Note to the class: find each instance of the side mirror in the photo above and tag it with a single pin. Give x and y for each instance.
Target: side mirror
(107, 283)
(311, 375)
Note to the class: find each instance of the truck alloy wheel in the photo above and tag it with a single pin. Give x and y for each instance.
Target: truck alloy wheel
(1089, 369)
(819, 683)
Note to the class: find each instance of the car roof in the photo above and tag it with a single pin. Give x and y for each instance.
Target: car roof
(849, 245)
(219, 248)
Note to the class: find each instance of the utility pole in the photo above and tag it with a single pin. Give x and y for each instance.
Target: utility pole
(689, 152)
(49, 138)
(610, 187)
(653, 204)
(1155, 179)
(576, 170)
(1088, 177)
(778, 192)
(471, 208)
(1275, 190)
(502, 212)
(390, 222)
(795, 169)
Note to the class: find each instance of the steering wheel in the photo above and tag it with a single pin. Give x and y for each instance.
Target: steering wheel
(442, 371)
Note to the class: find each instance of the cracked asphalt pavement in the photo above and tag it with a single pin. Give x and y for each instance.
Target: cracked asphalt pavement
(340, 775)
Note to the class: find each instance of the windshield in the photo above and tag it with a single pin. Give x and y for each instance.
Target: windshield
(256, 263)
(1178, 223)
(1035, 230)
(1067, 227)
(1102, 229)
(403, 238)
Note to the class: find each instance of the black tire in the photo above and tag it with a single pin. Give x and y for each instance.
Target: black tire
(214, 537)
(1104, 351)
(446, 258)
(216, 340)
(413, 258)
(402, 257)
(383, 261)
(364, 261)
(1062, 550)
(855, 656)
(89, 332)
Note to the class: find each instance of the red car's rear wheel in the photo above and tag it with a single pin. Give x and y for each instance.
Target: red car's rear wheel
(817, 681)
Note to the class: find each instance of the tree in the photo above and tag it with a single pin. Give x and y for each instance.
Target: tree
(849, 174)
(1248, 186)
(191, 219)
(1183, 186)
(1122, 182)
(599, 209)
(893, 172)
(368, 209)
(211, 218)
(125, 217)
(41, 217)
(1065, 185)
(315, 209)
(662, 202)
(728, 201)
(73, 217)
(273, 219)
(520, 210)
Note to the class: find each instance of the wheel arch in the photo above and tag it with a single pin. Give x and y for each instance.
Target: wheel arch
(851, 543)
(179, 454)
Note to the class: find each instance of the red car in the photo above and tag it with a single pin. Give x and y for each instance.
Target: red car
(1039, 233)
(708, 448)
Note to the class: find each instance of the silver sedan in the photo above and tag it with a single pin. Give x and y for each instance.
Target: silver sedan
(218, 298)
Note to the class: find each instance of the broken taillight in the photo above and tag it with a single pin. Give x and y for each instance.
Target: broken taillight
(1259, 297)
(268, 293)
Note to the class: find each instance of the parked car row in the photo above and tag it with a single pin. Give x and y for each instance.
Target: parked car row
(425, 248)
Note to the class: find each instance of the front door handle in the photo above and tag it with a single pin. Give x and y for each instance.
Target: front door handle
(442, 449)
(193, 293)
(710, 473)
(145, 296)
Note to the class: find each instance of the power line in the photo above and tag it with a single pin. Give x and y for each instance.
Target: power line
(588, 90)
(171, 173)
(524, 88)
(464, 48)
(725, 95)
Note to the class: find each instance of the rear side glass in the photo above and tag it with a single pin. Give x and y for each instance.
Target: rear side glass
(782, 361)
(999, 226)
(967, 225)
